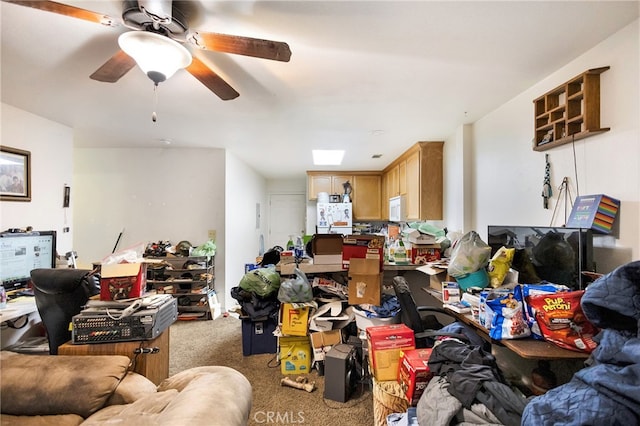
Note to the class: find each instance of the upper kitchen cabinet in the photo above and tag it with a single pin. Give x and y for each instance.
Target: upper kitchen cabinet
(367, 204)
(417, 174)
(366, 185)
(328, 182)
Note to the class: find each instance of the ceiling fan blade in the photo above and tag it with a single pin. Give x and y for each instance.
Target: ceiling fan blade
(112, 70)
(266, 49)
(213, 81)
(72, 11)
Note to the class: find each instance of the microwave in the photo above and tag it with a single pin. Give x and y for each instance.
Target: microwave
(398, 209)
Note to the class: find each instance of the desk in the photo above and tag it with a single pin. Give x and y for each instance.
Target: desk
(526, 348)
(20, 306)
(154, 367)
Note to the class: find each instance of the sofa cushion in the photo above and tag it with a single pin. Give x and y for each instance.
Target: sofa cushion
(146, 411)
(61, 384)
(133, 387)
(58, 420)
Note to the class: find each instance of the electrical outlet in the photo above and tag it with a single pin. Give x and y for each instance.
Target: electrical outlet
(212, 234)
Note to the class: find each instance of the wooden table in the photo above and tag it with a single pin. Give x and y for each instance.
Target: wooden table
(154, 366)
(526, 348)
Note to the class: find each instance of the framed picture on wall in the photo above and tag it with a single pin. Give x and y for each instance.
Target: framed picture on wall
(15, 174)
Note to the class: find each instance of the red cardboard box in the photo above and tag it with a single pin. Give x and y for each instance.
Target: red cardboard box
(385, 344)
(363, 247)
(414, 373)
(424, 253)
(123, 281)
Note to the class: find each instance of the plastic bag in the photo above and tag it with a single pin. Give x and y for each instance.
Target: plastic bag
(508, 319)
(261, 281)
(295, 290)
(529, 290)
(562, 321)
(207, 249)
(468, 255)
(499, 266)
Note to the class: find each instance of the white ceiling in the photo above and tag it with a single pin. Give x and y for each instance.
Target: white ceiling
(372, 77)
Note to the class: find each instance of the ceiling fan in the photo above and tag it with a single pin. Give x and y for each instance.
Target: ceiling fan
(161, 24)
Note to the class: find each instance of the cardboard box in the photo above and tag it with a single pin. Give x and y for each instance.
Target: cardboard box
(323, 341)
(414, 373)
(295, 355)
(365, 282)
(385, 343)
(597, 212)
(425, 253)
(295, 321)
(417, 237)
(123, 281)
(362, 247)
(450, 292)
(327, 249)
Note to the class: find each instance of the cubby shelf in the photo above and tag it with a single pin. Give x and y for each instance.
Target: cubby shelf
(569, 112)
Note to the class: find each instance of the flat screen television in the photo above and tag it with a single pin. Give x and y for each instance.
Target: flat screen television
(21, 252)
(554, 254)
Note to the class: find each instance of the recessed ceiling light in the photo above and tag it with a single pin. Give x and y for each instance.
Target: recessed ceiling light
(327, 157)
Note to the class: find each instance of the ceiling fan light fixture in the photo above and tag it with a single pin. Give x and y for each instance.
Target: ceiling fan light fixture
(158, 56)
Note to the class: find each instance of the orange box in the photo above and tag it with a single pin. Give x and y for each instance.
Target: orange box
(385, 344)
(414, 373)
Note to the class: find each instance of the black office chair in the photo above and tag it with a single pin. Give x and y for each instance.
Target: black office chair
(60, 294)
(426, 328)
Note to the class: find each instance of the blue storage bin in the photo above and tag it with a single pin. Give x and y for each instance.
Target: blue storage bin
(257, 336)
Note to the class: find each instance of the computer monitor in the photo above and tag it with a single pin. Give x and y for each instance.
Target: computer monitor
(21, 252)
(554, 254)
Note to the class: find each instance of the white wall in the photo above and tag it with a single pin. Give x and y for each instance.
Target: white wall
(507, 175)
(245, 190)
(151, 194)
(51, 147)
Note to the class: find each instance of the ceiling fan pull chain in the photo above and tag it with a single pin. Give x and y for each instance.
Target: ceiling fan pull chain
(154, 116)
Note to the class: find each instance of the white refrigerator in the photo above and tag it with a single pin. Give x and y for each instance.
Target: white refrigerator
(334, 218)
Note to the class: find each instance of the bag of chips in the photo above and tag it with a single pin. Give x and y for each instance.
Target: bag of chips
(562, 322)
(529, 313)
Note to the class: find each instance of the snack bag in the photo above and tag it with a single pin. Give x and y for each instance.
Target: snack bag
(508, 317)
(529, 313)
(562, 322)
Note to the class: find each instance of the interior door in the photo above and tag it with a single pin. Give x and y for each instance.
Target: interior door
(287, 216)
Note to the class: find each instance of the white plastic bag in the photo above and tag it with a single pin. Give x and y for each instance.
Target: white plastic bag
(295, 290)
(468, 254)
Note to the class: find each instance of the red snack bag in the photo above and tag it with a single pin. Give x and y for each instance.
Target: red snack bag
(562, 322)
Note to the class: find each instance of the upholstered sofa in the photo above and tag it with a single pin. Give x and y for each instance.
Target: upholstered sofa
(67, 390)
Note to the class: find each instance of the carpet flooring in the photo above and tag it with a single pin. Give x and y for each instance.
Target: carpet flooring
(219, 342)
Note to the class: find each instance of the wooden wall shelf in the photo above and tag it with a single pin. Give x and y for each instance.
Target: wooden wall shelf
(569, 112)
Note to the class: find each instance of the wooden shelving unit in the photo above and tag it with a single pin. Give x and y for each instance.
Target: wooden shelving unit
(569, 112)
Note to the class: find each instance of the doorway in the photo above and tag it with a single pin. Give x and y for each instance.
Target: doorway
(287, 216)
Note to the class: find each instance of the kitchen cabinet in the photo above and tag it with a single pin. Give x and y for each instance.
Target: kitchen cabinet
(422, 170)
(366, 185)
(326, 182)
(367, 204)
(189, 279)
(569, 112)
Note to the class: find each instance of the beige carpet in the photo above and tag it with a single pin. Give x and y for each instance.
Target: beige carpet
(219, 342)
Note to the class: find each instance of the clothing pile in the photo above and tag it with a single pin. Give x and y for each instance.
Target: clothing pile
(467, 387)
(607, 392)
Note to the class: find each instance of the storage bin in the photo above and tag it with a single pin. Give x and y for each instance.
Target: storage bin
(257, 336)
